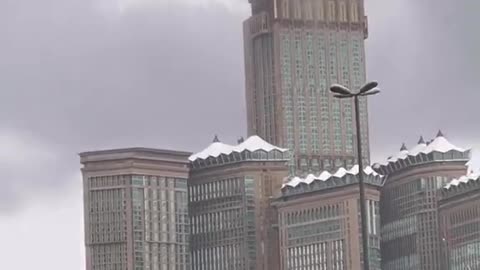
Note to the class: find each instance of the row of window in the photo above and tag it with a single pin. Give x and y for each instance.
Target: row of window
(218, 221)
(108, 181)
(402, 263)
(321, 10)
(216, 189)
(465, 257)
(319, 256)
(465, 215)
(159, 182)
(109, 200)
(159, 256)
(109, 257)
(313, 214)
(231, 257)
(319, 227)
(399, 228)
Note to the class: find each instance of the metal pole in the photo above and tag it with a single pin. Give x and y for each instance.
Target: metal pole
(447, 252)
(361, 184)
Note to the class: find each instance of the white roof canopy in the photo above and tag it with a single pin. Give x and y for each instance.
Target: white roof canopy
(252, 144)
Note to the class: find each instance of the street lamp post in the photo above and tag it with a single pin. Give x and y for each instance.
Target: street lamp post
(446, 253)
(343, 92)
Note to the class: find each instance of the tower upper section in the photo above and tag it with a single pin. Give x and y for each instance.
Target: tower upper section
(342, 12)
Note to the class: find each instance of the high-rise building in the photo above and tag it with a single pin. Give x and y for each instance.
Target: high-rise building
(409, 202)
(459, 213)
(135, 209)
(230, 189)
(319, 221)
(294, 51)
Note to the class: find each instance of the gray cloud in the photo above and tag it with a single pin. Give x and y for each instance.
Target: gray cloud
(76, 78)
(424, 55)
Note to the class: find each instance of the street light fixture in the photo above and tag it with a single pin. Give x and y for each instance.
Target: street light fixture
(342, 92)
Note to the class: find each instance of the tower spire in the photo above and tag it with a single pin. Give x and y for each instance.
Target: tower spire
(440, 133)
(403, 148)
(421, 141)
(215, 140)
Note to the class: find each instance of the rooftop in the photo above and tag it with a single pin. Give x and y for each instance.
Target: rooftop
(325, 180)
(438, 149)
(133, 149)
(134, 153)
(464, 180)
(252, 144)
(460, 188)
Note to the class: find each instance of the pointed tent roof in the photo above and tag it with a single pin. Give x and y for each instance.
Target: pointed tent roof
(440, 133)
(439, 144)
(215, 139)
(252, 144)
(403, 148)
(463, 180)
(326, 176)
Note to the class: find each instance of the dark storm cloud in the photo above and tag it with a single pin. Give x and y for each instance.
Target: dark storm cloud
(75, 77)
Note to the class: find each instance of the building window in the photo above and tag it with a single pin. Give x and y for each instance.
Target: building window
(331, 11)
(343, 12)
(297, 7)
(354, 12)
(320, 10)
(285, 8)
(308, 9)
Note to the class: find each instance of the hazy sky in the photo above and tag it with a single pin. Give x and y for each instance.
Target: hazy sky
(78, 75)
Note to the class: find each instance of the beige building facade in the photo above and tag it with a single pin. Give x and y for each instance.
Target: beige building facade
(409, 202)
(294, 51)
(319, 221)
(230, 191)
(459, 216)
(135, 209)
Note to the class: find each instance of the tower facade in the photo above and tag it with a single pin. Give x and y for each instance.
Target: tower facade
(135, 209)
(294, 51)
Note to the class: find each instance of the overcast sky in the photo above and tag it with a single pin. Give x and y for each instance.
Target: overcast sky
(79, 75)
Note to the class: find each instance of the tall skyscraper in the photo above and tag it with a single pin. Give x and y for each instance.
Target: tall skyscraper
(230, 190)
(410, 233)
(135, 209)
(294, 51)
